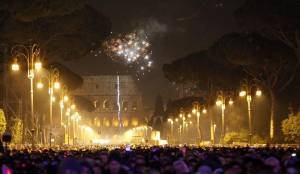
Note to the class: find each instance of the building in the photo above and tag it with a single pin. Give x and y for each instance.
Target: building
(117, 100)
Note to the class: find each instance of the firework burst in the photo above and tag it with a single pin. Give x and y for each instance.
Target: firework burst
(132, 49)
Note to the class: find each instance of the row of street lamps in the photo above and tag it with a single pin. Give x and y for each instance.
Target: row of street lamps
(247, 91)
(32, 57)
(184, 120)
(224, 98)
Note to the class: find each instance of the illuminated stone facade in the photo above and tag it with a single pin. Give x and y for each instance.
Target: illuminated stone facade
(102, 90)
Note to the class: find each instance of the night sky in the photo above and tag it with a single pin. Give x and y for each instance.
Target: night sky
(176, 28)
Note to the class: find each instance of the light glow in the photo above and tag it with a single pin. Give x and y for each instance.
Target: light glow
(38, 66)
(218, 102)
(56, 85)
(258, 93)
(15, 67)
(230, 102)
(39, 85)
(66, 98)
(243, 93)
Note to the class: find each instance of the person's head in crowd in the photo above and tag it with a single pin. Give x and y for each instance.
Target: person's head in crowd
(114, 163)
(97, 169)
(292, 170)
(180, 167)
(234, 168)
(204, 169)
(69, 166)
(274, 163)
(86, 168)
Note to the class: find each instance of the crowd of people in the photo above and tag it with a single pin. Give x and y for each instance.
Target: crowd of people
(152, 160)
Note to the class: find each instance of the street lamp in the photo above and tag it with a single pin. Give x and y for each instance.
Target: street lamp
(248, 87)
(223, 96)
(73, 106)
(66, 98)
(31, 55)
(197, 111)
(63, 100)
(172, 128)
(76, 118)
(15, 66)
(53, 84)
(38, 66)
(40, 85)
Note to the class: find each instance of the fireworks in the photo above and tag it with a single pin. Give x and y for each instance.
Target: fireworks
(132, 49)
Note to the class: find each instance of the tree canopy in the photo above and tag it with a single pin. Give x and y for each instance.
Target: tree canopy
(34, 9)
(267, 61)
(276, 19)
(291, 128)
(201, 68)
(64, 30)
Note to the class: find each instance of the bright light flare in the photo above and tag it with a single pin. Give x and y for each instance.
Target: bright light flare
(73, 106)
(38, 66)
(204, 111)
(15, 67)
(66, 98)
(258, 93)
(40, 85)
(53, 99)
(56, 85)
(230, 102)
(243, 93)
(218, 102)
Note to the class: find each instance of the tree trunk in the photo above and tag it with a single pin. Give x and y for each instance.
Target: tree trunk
(272, 114)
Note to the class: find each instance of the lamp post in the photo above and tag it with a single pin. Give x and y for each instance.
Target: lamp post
(247, 89)
(68, 114)
(75, 118)
(172, 128)
(197, 111)
(63, 99)
(31, 55)
(53, 84)
(221, 101)
(182, 117)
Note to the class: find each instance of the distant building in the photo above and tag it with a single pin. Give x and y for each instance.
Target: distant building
(106, 92)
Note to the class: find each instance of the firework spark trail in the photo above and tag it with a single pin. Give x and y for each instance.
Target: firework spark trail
(118, 101)
(133, 49)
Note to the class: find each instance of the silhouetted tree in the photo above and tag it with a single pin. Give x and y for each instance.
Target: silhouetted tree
(64, 29)
(276, 19)
(268, 62)
(201, 69)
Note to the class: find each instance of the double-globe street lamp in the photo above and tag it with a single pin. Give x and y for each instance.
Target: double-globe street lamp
(31, 55)
(247, 91)
(222, 98)
(53, 84)
(197, 112)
